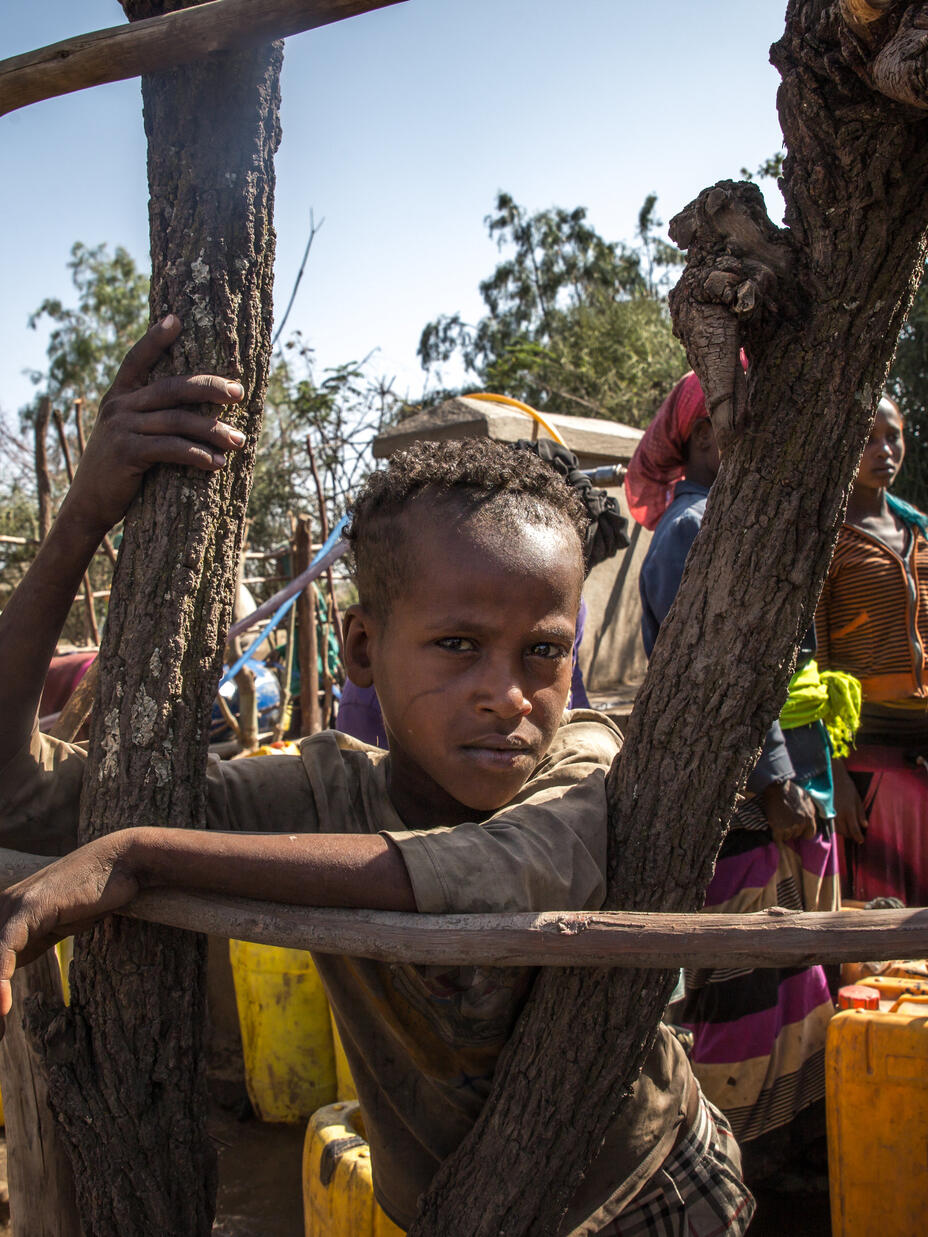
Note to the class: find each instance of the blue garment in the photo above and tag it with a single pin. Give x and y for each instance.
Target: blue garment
(907, 513)
(661, 573)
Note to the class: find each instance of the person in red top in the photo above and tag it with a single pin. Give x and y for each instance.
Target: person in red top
(872, 623)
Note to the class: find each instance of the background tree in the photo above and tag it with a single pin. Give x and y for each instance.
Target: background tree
(86, 343)
(337, 414)
(574, 323)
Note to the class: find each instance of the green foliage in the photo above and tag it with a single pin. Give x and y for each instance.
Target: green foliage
(908, 383)
(574, 323)
(88, 341)
(768, 169)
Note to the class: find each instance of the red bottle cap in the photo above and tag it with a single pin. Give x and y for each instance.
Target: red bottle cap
(856, 996)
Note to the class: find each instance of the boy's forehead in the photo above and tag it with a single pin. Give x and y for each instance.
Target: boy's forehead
(467, 553)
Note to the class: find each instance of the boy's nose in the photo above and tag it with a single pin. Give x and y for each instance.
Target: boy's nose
(507, 700)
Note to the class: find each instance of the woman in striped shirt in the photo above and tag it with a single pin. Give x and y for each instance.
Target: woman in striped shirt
(872, 622)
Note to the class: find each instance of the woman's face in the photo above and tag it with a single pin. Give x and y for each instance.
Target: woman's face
(885, 450)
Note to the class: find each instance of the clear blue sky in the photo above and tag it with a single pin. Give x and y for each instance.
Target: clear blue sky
(399, 128)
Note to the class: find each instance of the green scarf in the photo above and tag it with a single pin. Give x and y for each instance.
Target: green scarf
(828, 696)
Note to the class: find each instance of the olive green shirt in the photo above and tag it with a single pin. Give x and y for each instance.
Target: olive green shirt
(422, 1041)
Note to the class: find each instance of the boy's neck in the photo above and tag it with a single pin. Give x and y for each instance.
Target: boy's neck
(420, 802)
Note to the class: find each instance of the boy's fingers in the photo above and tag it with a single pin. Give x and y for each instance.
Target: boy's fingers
(181, 423)
(161, 449)
(7, 967)
(142, 356)
(186, 389)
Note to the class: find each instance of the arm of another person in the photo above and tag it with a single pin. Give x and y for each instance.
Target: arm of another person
(138, 425)
(662, 571)
(351, 870)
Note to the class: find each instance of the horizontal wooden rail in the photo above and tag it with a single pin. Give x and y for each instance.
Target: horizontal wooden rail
(554, 938)
(158, 43)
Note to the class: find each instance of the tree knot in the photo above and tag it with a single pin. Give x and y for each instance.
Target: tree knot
(739, 269)
(49, 1028)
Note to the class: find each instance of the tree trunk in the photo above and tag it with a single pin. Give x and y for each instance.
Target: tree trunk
(125, 1062)
(830, 295)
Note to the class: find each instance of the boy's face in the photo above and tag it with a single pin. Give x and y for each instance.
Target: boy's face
(472, 665)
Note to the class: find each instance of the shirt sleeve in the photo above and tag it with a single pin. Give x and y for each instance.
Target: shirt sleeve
(40, 790)
(774, 764)
(545, 851)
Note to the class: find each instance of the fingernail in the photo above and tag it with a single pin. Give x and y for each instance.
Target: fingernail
(168, 322)
(236, 390)
(218, 459)
(237, 437)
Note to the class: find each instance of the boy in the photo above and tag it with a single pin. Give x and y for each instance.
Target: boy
(469, 569)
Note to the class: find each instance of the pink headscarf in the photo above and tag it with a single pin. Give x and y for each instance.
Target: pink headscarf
(658, 462)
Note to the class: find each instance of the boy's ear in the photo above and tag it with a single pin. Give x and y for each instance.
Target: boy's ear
(357, 630)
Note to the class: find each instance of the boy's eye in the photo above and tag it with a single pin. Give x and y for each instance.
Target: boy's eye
(456, 644)
(545, 648)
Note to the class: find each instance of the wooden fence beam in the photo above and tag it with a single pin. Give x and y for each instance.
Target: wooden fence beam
(158, 43)
(553, 938)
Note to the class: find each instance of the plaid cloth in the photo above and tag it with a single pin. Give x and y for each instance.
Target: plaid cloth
(697, 1191)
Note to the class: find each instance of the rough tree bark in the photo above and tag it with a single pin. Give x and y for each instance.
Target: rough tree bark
(124, 1061)
(818, 307)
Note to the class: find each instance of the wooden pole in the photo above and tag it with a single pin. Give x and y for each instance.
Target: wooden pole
(42, 1200)
(42, 481)
(774, 938)
(163, 42)
(307, 647)
(90, 610)
(77, 710)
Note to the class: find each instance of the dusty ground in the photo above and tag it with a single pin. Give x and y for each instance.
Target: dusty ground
(259, 1178)
(260, 1196)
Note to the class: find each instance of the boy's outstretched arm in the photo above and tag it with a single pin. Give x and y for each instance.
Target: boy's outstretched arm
(322, 869)
(138, 425)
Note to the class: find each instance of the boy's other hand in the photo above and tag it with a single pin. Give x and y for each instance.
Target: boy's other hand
(64, 898)
(790, 811)
(140, 424)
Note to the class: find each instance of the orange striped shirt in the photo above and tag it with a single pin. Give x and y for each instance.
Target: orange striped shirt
(872, 617)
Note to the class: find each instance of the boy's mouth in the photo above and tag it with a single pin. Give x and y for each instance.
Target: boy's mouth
(499, 751)
(500, 743)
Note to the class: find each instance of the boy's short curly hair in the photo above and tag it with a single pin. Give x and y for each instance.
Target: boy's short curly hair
(490, 483)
